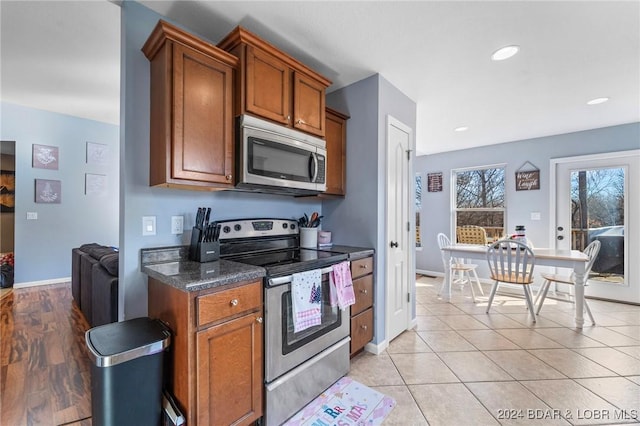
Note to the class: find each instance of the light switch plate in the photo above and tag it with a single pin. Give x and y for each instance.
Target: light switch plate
(535, 215)
(148, 225)
(177, 224)
(32, 215)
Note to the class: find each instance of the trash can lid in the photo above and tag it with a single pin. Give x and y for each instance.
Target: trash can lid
(118, 342)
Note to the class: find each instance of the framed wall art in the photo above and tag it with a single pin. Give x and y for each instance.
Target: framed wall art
(48, 191)
(434, 182)
(45, 157)
(97, 153)
(95, 184)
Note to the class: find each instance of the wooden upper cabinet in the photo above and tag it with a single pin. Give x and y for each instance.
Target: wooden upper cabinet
(336, 138)
(192, 129)
(268, 86)
(275, 86)
(308, 105)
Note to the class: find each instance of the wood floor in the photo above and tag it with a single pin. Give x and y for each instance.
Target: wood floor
(45, 374)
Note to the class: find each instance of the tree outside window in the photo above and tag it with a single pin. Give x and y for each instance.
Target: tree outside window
(480, 200)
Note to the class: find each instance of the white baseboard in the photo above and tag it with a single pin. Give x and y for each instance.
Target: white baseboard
(43, 282)
(431, 273)
(376, 349)
(413, 323)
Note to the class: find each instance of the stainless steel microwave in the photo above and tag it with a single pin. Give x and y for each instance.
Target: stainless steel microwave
(274, 158)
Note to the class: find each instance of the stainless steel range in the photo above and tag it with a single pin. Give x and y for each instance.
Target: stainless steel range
(298, 366)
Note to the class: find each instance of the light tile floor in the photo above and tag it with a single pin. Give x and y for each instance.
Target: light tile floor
(461, 366)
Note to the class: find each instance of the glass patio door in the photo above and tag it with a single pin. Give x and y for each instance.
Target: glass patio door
(597, 199)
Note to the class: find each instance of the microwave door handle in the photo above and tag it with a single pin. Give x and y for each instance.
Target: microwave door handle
(313, 166)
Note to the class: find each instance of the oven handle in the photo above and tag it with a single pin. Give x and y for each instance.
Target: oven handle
(289, 278)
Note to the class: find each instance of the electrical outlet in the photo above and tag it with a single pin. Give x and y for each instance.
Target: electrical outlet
(148, 225)
(32, 215)
(535, 215)
(177, 224)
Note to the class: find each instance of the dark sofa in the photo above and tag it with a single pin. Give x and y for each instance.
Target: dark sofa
(94, 282)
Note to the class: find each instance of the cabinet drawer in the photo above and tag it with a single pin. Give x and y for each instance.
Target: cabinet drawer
(361, 330)
(227, 303)
(363, 289)
(361, 267)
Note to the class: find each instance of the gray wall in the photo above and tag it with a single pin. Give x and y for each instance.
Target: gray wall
(436, 211)
(138, 199)
(43, 246)
(359, 219)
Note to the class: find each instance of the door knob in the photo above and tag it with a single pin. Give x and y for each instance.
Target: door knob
(560, 237)
(394, 244)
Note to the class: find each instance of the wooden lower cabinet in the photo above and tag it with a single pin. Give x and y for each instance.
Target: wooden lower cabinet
(362, 310)
(215, 365)
(229, 360)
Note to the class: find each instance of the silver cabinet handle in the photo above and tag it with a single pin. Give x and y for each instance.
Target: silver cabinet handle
(364, 327)
(364, 291)
(259, 319)
(234, 302)
(364, 266)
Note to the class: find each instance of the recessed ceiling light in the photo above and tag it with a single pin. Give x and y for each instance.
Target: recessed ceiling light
(505, 53)
(597, 101)
(461, 129)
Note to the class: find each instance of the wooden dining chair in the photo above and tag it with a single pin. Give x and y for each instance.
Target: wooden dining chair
(511, 262)
(471, 234)
(591, 251)
(456, 266)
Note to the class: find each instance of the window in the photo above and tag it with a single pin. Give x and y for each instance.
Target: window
(480, 200)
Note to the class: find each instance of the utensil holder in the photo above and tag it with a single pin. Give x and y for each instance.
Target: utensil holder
(308, 237)
(208, 252)
(200, 251)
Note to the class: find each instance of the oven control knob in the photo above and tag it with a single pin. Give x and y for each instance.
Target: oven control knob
(237, 227)
(226, 229)
(293, 226)
(285, 225)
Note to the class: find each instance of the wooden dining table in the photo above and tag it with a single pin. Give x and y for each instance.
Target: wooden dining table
(572, 259)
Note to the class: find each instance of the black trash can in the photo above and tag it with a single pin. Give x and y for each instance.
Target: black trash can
(126, 374)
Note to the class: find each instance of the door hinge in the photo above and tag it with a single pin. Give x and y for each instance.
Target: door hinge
(408, 297)
(409, 154)
(408, 226)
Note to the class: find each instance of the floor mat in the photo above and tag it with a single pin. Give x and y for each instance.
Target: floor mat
(347, 402)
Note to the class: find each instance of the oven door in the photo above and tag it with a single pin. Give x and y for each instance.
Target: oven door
(285, 349)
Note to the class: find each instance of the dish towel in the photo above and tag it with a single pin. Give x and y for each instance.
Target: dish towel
(306, 295)
(340, 276)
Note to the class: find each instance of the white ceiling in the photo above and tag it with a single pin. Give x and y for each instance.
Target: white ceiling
(64, 56)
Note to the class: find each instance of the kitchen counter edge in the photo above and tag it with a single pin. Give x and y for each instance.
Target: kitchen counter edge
(170, 266)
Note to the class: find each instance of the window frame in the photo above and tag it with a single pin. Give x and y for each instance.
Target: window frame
(454, 197)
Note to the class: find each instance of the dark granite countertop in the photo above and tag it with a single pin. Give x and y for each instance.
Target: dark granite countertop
(187, 275)
(170, 265)
(353, 252)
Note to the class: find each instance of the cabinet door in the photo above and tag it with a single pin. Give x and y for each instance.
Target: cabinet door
(229, 372)
(203, 120)
(336, 137)
(308, 105)
(268, 83)
(363, 289)
(361, 330)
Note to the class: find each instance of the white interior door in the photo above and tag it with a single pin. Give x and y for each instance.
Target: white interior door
(596, 198)
(398, 228)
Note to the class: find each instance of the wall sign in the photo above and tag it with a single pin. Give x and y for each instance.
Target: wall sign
(527, 178)
(434, 182)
